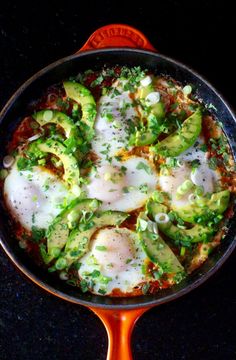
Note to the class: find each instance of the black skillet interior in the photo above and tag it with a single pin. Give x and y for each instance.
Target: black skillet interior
(16, 109)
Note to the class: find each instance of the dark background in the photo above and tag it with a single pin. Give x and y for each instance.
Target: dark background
(36, 325)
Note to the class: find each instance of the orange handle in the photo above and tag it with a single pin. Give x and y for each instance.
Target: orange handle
(117, 35)
(119, 325)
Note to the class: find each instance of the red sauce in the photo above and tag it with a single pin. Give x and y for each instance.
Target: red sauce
(55, 98)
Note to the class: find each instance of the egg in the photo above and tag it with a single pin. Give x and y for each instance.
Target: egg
(202, 175)
(116, 113)
(123, 185)
(114, 262)
(205, 177)
(34, 197)
(171, 180)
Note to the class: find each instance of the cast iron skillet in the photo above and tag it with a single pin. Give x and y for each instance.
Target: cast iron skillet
(118, 315)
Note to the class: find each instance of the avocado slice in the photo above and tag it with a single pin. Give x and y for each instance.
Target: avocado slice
(78, 242)
(156, 113)
(197, 233)
(157, 250)
(58, 232)
(181, 140)
(204, 207)
(47, 116)
(85, 99)
(70, 164)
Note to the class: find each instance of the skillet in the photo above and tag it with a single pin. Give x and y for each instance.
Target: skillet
(113, 44)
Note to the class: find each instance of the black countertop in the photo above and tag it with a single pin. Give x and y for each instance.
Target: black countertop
(36, 325)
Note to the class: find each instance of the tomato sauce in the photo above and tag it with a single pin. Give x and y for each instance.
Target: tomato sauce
(54, 98)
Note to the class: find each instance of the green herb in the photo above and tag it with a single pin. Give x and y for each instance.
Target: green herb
(34, 198)
(182, 251)
(97, 81)
(75, 113)
(33, 218)
(158, 273)
(127, 189)
(174, 217)
(193, 107)
(24, 164)
(71, 145)
(123, 169)
(211, 106)
(174, 106)
(37, 234)
(179, 277)
(115, 92)
(128, 261)
(101, 248)
(142, 225)
(109, 117)
(203, 147)
(118, 157)
(145, 288)
(142, 166)
(63, 104)
(84, 286)
(95, 274)
(61, 264)
(77, 265)
(72, 282)
(195, 164)
(105, 279)
(158, 196)
(102, 291)
(143, 188)
(213, 163)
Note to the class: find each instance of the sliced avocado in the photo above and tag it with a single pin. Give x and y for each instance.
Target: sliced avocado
(85, 99)
(156, 113)
(204, 207)
(70, 164)
(197, 233)
(157, 109)
(78, 242)
(44, 117)
(157, 250)
(58, 232)
(181, 140)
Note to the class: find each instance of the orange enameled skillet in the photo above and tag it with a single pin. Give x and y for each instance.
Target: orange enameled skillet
(112, 45)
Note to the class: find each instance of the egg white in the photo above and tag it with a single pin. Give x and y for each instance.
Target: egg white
(34, 198)
(118, 256)
(125, 190)
(111, 134)
(171, 179)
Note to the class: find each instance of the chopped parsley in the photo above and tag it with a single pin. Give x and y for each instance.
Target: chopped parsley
(84, 286)
(97, 81)
(37, 234)
(123, 169)
(142, 166)
(203, 147)
(145, 288)
(143, 188)
(142, 225)
(101, 248)
(195, 164)
(95, 274)
(213, 163)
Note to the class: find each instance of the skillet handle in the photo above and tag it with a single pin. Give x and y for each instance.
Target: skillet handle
(117, 35)
(119, 325)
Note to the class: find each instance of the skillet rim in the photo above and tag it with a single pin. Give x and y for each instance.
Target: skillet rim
(147, 304)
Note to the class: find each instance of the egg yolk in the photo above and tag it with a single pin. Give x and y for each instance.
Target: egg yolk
(113, 250)
(106, 183)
